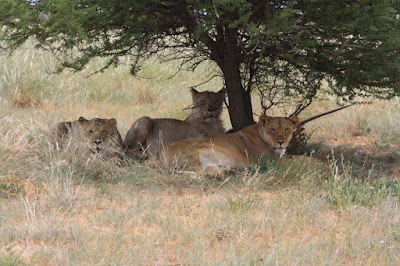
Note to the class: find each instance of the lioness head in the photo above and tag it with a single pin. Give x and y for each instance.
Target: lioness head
(100, 134)
(277, 131)
(207, 105)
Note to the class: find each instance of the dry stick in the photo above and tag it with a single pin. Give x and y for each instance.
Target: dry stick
(215, 9)
(325, 113)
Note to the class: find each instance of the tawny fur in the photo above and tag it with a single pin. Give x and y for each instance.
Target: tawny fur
(150, 135)
(269, 136)
(100, 135)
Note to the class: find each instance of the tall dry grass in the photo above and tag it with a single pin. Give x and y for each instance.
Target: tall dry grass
(62, 206)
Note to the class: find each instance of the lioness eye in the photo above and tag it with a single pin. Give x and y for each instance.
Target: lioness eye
(90, 131)
(273, 129)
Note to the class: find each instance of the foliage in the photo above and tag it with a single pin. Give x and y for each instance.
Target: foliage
(285, 50)
(299, 144)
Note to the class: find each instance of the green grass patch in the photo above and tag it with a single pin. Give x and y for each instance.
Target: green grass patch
(342, 193)
(9, 190)
(242, 203)
(10, 260)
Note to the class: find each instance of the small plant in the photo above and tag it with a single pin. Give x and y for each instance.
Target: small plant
(242, 203)
(12, 189)
(299, 144)
(362, 126)
(393, 231)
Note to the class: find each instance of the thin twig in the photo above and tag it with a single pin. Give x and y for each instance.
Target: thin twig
(323, 114)
(215, 9)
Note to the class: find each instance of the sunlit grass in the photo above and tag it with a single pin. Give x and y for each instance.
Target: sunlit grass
(63, 206)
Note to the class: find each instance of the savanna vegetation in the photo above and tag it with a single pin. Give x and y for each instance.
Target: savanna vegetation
(337, 205)
(287, 51)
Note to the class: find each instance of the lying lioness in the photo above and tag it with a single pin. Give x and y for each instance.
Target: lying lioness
(269, 136)
(149, 135)
(98, 135)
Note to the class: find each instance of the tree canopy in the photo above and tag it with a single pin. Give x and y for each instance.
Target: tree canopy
(285, 50)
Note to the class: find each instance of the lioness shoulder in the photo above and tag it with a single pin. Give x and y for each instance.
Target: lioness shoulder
(149, 135)
(269, 136)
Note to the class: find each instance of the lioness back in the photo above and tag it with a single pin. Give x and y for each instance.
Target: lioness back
(269, 136)
(150, 135)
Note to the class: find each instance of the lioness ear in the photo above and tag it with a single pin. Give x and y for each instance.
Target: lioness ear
(82, 121)
(222, 91)
(295, 120)
(264, 119)
(194, 92)
(112, 122)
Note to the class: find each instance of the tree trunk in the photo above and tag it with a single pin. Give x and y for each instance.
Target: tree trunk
(240, 109)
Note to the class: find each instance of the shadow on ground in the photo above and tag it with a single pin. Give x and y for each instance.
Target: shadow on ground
(363, 160)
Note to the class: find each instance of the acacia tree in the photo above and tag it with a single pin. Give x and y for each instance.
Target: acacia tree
(283, 49)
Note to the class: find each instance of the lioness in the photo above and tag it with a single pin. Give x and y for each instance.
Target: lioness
(270, 135)
(100, 135)
(149, 135)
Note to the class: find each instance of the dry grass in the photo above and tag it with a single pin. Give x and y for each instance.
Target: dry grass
(61, 206)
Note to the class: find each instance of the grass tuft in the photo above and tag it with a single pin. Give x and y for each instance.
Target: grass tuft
(10, 190)
(10, 260)
(242, 203)
(343, 190)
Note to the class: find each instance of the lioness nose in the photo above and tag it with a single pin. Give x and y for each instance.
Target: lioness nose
(280, 143)
(97, 142)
